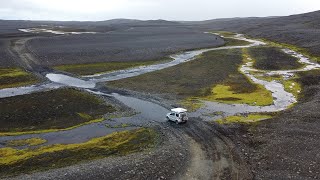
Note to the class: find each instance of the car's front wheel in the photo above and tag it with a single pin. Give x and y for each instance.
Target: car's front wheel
(177, 122)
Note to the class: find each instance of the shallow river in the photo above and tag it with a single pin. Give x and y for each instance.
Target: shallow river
(148, 112)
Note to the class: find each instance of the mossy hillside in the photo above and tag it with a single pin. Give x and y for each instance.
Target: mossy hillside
(272, 58)
(51, 110)
(26, 142)
(14, 161)
(96, 68)
(15, 77)
(251, 118)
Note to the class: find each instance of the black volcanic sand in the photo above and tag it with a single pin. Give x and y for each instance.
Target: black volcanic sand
(133, 44)
(272, 58)
(6, 58)
(54, 109)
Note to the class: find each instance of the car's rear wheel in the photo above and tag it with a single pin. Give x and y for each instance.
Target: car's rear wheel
(167, 118)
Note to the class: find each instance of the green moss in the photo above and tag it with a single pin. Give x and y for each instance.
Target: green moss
(15, 77)
(26, 142)
(85, 116)
(14, 161)
(293, 87)
(192, 103)
(97, 68)
(224, 94)
(251, 118)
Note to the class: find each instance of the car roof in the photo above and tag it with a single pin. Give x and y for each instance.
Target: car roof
(178, 110)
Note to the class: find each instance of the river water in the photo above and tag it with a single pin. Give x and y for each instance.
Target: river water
(148, 112)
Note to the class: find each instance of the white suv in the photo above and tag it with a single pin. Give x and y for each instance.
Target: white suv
(177, 115)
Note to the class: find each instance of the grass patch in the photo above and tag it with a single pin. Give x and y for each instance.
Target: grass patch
(15, 77)
(50, 111)
(272, 58)
(269, 78)
(14, 161)
(251, 118)
(225, 94)
(26, 142)
(235, 42)
(97, 68)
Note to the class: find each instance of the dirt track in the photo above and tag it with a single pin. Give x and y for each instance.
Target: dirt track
(196, 150)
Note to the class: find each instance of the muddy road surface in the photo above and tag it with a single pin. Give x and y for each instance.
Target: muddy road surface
(196, 150)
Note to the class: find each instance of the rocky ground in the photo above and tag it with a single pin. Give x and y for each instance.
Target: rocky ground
(186, 152)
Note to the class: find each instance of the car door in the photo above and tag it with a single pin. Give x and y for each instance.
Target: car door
(172, 116)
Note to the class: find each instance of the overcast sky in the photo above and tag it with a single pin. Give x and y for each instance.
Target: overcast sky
(150, 9)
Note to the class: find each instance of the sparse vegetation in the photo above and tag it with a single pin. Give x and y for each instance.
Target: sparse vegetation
(15, 161)
(235, 42)
(272, 58)
(96, 68)
(193, 81)
(50, 111)
(26, 142)
(15, 77)
(187, 79)
(305, 51)
(250, 118)
(225, 34)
